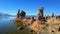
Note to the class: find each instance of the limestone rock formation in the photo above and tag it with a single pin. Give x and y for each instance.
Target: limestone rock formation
(40, 13)
(59, 16)
(52, 15)
(22, 14)
(32, 19)
(36, 26)
(40, 23)
(53, 21)
(18, 14)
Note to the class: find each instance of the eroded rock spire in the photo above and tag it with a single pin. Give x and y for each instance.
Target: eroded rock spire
(18, 14)
(40, 13)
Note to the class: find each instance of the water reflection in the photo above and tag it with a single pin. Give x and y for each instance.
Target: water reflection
(6, 24)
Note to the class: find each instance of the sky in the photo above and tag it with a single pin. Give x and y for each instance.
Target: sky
(31, 7)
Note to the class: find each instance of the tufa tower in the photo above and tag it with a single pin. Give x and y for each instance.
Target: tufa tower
(40, 13)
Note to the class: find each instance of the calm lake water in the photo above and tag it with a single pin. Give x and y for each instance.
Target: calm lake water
(7, 25)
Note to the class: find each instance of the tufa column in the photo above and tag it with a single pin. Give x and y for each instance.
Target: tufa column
(18, 14)
(40, 13)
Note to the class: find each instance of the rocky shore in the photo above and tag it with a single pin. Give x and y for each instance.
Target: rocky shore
(41, 25)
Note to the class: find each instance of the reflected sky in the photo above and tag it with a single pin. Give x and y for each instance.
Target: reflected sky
(7, 25)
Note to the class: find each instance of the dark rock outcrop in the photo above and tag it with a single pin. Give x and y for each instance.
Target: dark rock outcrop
(18, 14)
(22, 14)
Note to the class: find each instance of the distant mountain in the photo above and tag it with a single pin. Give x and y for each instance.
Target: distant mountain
(31, 15)
(5, 15)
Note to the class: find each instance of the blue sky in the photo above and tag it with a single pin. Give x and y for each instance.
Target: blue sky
(30, 6)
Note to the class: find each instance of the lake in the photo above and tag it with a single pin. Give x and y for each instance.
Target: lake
(7, 26)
